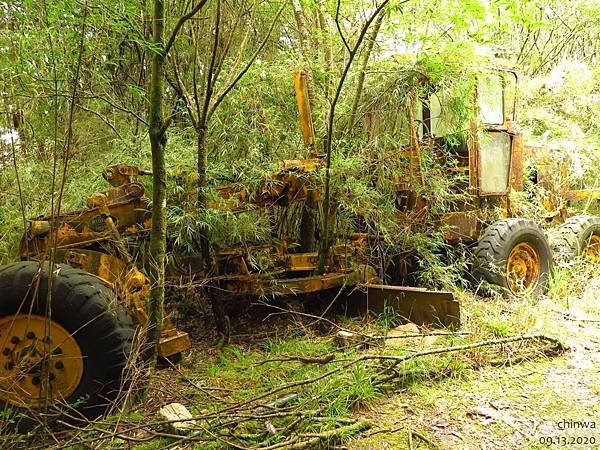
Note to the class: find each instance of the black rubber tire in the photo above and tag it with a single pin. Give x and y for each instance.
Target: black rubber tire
(573, 236)
(85, 307)
(494, 247)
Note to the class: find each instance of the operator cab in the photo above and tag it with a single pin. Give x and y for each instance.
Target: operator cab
(485, 145)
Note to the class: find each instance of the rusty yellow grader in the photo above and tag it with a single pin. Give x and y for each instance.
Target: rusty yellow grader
(489, 164)
(69, 310)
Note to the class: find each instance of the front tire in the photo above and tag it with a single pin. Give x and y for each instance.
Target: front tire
(70, 352)
(515, 255)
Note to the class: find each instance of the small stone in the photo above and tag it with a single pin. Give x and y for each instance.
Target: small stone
(396, 336)
(178, 418)
(270, 427)
(345, 339)
(407, 328)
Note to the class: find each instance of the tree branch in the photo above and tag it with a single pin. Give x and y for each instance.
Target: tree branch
(182, 20)
(221, 96)
(324, 248)
(210, 77)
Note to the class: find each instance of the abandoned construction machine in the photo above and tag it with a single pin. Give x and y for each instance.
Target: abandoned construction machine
(66, 339)
(69, 310)
(488, 165)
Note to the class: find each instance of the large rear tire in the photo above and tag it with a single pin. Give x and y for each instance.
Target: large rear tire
(515, 255)
(69, 353)
(578, 237)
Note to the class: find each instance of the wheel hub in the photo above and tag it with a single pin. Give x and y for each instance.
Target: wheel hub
(592, 250)
(523, 268)
(40, 362)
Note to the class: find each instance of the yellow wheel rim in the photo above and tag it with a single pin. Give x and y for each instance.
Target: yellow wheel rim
(591, 252)
(523, 268)
(40, 362)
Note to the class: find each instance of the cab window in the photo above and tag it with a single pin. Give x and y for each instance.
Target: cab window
(491, 102)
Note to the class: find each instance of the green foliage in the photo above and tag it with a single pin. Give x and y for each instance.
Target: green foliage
(498, 327)
(440, 50)
(154, 444)
(560, 112)
(388, 318)
(443, 45)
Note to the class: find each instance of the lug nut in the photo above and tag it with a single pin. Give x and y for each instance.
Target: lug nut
(30, 335)
(15, 340)
(35, 381)
(6, 351)
(59, 365)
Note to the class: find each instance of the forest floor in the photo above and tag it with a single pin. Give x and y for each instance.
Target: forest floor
(533, 404)
(512, 396)
(485, 400)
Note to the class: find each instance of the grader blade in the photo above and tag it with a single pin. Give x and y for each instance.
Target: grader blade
(417, 305)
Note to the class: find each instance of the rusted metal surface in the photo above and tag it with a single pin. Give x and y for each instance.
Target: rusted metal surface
(583, 195)
(552, 179)
(460, 226)
(111, 216)
(267, 286)
(101, 240)
(465, 222)
(121, 174)
(516, 163)
(420, 306)
(132, 288)
(27, 380)
(85, 227)
(523, 268)
(473, 146)
(271, 269)
(466, 219)
(292, 184)
(305, 112)
(268, 269)
(591, 252)
(173, 341)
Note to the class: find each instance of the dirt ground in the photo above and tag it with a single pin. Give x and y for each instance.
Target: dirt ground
(535, 404)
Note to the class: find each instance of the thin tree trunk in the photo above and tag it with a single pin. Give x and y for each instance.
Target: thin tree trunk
(327, 50)
(327, 213)
(221, 319)
(203, 111)
(201, 168)
(363, 69)
(159, 183)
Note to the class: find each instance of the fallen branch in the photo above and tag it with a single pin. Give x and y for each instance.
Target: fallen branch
(399, 359)
(422, 437)
(431, 333)
(579, 319)
(387, 430)
(278, 403)
(228, 417)
(303, 359)
(314, 439)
